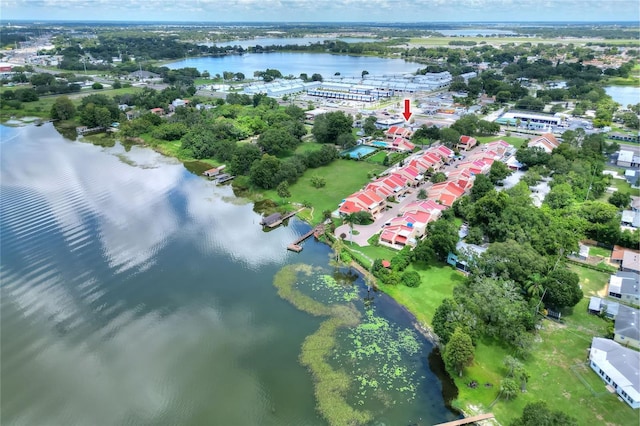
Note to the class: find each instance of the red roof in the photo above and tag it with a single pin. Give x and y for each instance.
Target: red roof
(466, 139)
(349, 207)
(447, 199)
(448, 187)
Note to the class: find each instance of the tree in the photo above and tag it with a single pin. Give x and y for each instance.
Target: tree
(63, 109)
(532, 156)
(498, 172)
(283, 189)
(539, 414)
(264, 172)
(509, 388)
(410, 278)
(328, 127)
(316, 77)
(449, 136)
(422, 194)
(369, 125)
(364, 72)
(562, 288)
(97, 86)
(243, 157)
(438, 177)
(560, 196)
(481, 187)
(350, 220)
(458, 353)
(442, 236)
(276, 141)
(620, 199)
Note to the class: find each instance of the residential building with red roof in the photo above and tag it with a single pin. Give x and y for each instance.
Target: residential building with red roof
(385, 186)
(428, 206)
(446, 193)
(401, 144)
(398, 236)
(465, 143)
(410, 173)
(396, 131)
(498, 148)
(366, 200)
(547, 141)
(462, 177)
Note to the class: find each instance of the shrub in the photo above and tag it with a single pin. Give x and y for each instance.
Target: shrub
(411, 279)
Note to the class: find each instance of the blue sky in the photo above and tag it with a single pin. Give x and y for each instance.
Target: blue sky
(322, 10)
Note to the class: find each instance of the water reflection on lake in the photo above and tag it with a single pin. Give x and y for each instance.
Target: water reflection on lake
(134, 292)
(296, 63)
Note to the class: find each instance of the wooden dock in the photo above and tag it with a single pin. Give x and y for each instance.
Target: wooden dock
(468, 420)
(296, 247)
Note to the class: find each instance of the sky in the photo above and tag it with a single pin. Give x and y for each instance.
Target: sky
(321, 10)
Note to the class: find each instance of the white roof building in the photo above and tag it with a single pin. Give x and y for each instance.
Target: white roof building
(619, 367)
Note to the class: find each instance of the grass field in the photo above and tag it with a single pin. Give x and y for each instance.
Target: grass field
(556, 364)
(343, 177)
(513, 140)
(437, 283)
(558, 347)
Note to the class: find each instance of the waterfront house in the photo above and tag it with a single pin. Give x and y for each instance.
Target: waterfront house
(366, 200)
(617, 366)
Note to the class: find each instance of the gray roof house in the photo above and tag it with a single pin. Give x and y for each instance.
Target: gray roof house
(617, 366)
(608, 307)
(630, 262)
(630, 218)
(627, 328)
(625, 286)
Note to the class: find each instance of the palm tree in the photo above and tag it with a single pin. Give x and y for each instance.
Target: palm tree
(534, 286)
(350, 219)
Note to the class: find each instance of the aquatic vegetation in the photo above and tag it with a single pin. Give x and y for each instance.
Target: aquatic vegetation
(352, 361)
(376, 342)
(285, 281)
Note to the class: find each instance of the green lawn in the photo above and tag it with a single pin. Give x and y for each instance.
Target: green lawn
(555, 364)
(599, 251)
(343, 177)
(378, 157)
(437, 284)
(308, 147)
(513, 140)
(559, 346)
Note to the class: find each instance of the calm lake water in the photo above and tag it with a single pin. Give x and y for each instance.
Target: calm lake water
(474, 32)
(624, 95)
(134, 292)
(297, 63)
(302, 41)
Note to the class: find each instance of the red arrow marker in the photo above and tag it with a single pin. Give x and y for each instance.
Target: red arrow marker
(407, 109)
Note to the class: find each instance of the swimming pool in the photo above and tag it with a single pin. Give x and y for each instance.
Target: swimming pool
(359, 151)
(381, 144)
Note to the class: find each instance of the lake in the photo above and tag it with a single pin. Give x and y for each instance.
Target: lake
(297, 63)
(302, 41)
(624, 95)
(134, 292)
(474, 32)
